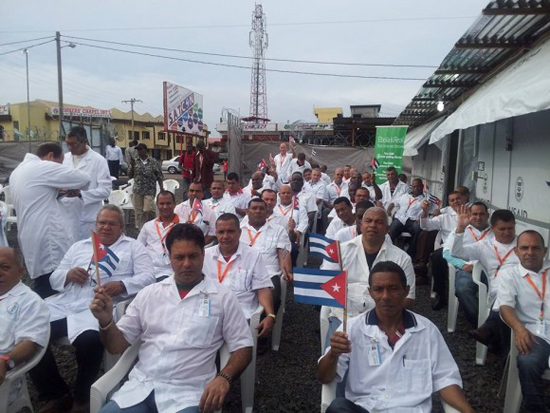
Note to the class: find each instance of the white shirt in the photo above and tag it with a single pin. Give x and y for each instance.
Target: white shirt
(408, 207)
(220, 206)
(298, 215)
(317, 188)
(514, 290)
(354, 260)
(249, 191)
(3, 222)
(446, 223)
(43, 231)
(205, 221)
(372, 192)
(294, 167)
(387, 198)
(245, 276)
(484, 252)
(134, 269)
(269, 182)
(419, 365)
(268, 240)
(178, 344)
(336, 225)
(274, 219)
(282, 164)
(239, 200)
(307, 200)
(113, 153)
(82, 212)
(346, 234)
(334, 191)
(326, 179)
(153, 237)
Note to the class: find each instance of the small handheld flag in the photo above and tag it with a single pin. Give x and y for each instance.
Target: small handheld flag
(104, 259)
(262, 164)
(323, 247)
(374, 163)
(313, 152)
(196, 209)
(320, 287)
(296, 203)
(434, 200)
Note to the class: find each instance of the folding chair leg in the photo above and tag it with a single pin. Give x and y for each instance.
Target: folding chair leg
(278, 327)
(481, 354)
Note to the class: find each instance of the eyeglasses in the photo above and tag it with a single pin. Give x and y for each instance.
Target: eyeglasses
(108, 223)
(72, 144)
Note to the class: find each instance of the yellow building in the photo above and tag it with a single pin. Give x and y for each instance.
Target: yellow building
(326, 115)
(100, 124)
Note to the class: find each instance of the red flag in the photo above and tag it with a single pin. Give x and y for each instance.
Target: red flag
(337, 287)
(374, 163)
(262, 164)
(197, 205)
(98, 248)
(296, 203)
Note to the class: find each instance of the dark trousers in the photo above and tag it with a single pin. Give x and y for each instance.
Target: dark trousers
(341, 405)
(89, 353)
(531, 367)
(424, 246)
(294, 253)
(412, 227)
(440, 272)
(501, 333)
(114, 168)
(42, 286)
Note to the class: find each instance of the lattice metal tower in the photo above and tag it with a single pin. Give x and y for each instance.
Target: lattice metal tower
(258, 90)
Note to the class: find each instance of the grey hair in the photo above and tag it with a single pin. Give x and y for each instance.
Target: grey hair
(114, 208)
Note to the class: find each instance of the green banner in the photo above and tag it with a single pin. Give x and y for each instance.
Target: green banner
(388, 150)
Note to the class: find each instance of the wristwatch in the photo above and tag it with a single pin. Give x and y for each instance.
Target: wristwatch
(273, 316)
(10, 363)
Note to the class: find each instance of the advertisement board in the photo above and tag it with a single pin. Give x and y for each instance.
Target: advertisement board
(388, 150)
(4, 110)
(183, 110)
(84, 112)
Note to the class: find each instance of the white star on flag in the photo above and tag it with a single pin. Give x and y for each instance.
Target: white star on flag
(336, 287)
(331, 251)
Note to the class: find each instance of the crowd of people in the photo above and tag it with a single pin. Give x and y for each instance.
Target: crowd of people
(201, 266)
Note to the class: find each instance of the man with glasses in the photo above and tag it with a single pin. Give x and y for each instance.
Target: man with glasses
(83, 206)
(125, 268)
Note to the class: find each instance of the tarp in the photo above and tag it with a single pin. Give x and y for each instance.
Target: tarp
(418, 136)
(521, 88)
(11, 155)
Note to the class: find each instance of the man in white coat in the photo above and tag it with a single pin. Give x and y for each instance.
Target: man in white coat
(42, 230)
(125, 268)
(83, 206)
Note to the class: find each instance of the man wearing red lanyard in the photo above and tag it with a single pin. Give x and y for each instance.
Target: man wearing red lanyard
(282, 163)
(218, 203)
(153, 234)
(525, 306)
(408, 209)
(197, 213)
(337, 188)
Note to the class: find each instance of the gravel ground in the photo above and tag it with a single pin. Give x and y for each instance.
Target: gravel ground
(287, 378)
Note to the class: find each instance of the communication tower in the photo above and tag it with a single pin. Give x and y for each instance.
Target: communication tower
(258, 90)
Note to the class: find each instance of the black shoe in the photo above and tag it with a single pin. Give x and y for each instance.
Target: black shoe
(439, 303)
(483, 334)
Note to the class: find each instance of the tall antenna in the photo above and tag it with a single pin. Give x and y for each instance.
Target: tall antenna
(258, 90)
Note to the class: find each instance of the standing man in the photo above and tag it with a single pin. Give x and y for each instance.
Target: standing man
(202, 167)
(203, 217)
(236, 195)
(146, 173)
(282, 162)
(153, 234)
(186, 163)
(393, 188)
(82, 206)
(43, 234)
(113, 154)
(218, 203)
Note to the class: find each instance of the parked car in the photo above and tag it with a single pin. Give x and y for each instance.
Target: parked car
(216, 167)
(171, 165)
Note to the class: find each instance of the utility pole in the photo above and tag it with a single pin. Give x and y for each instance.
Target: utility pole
(131, 102)
(26, 51)
(59, 85)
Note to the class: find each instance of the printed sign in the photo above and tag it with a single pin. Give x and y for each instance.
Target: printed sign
(388, 150)
(182, 110)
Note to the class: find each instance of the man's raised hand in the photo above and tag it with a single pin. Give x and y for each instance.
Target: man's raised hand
(102, 306)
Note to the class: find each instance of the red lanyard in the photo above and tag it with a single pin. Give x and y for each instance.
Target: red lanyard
(482, 234)
(251, 238)
(175, 221)
(338, 189)
(285, 212)
(214, 204)
(501, 260)
(538, 292)
(411, 201)
(221, 276)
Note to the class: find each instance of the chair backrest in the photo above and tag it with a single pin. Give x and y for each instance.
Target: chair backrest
(438, 243)
(170, 185)
(117, 197)
(7, 195)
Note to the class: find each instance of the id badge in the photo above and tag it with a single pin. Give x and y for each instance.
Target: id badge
(166, 259)
(204, 307)
(373, 354)
(542, 328)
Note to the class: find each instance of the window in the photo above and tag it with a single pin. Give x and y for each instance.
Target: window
(145, 134)
(16, 124)
(136, 135)
(161, 136)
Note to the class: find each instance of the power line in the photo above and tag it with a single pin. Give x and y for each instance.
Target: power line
(25, 41)
(222, 26)
(247, 67)
(26, 47)
(251, 58)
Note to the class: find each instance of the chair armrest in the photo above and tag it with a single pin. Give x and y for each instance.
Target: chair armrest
(328, 394)
(447, 408)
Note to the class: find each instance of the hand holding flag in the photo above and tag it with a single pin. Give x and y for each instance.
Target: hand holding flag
(320, 287)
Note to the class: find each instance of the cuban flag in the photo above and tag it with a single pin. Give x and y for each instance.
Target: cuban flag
(262, 164)
(296, 203)
(323, 247)
(434, 200)
(320, 287)
(374, 163)
(107, 260)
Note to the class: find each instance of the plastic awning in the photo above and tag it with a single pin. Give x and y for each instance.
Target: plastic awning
(418, 136)
(521, 88)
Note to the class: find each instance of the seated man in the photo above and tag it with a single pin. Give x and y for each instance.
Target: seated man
(204, 218)
(125, 268)
(317, 187)
(337, 188)
(181, 323)
(241, 269)
(25, 318)
(345, 217)
(393, 188)
(218, 203)
(399, 358)
(299, 164)
(235, 195)
(256, 185)
(407, 210)
(153, 234)
(521, 295)
(305, 197)
(353, 189)
(348, 233)
(369, 182)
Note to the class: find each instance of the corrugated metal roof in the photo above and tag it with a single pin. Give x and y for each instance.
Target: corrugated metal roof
(505, 28)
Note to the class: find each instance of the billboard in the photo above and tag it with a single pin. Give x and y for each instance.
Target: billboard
(4, 110)
(182, 110)
(388, 150)
(84, 112)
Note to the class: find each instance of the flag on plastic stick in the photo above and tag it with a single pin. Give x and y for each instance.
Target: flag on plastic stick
(324, 247)
(196, 209)
(434, 200)
(103, 258)
(425, 190)
(320, 287)
(262, 164)
(313, 152)
(374, 163)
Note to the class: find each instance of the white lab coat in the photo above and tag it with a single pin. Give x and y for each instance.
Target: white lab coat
(43, 232)
(82, 212)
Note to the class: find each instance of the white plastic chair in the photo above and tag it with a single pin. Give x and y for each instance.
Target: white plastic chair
(437, 245)
(278, 327)
(10, 217)
(170, 185)
(452, 312)
(328, 391)
(512, 402)
(23, 398)
(117, 197)
(301, 261)
(248, 378)
(484, 308)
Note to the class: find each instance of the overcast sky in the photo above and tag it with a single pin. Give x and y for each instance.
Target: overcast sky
(417, 32)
